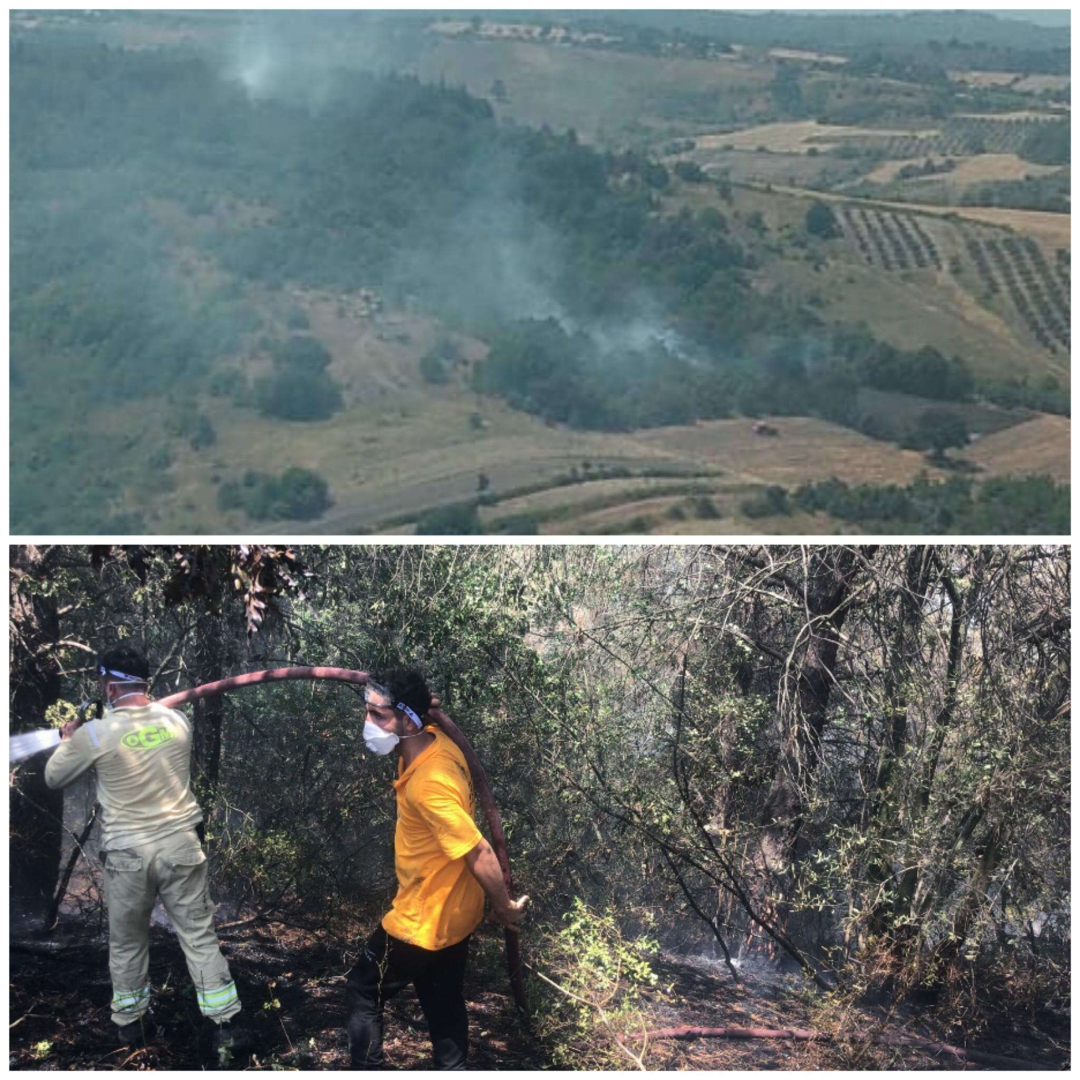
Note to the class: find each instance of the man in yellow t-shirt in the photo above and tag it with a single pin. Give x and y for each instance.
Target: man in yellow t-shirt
(150, 845)
(444, 868)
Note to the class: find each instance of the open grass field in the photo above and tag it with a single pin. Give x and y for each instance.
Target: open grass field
(772, 167)
(795, 137)
(1036, 84)
(1026, 84)
(978, 168)
(806, 449)
(605, 96)
(425, 453)
(1039, 445)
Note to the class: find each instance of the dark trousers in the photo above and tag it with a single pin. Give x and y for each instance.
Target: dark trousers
(386, 967)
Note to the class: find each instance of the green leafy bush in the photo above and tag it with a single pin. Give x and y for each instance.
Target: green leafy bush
(293, 394)
(295, 495)
(772, 502)
(821, 221)
(460, 519)
(304, 353)
(600, 976)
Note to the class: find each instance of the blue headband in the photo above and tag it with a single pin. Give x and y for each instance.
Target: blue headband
(400, 706)
(409, 713)
(103, 671)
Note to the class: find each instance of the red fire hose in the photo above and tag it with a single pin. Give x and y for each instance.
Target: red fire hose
(435, 714)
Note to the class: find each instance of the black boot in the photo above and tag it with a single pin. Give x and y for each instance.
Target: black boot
(138, 1032)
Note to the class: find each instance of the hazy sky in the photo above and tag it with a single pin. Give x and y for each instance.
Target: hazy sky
(1044, 17)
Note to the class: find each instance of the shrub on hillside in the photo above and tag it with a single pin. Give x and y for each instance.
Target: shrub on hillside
(296, 495)
(293, 394)
(461, 519)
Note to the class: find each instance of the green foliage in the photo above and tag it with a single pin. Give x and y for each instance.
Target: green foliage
(938, 430)
(636, 709)
(303, 353)
(460, 519)
(297, 319)
(1050, 396)
(821, 221)
(438, 363)
(203, 434)
(705, 508)
(594, 942)
(296, 495)
(607, 972)
(132, 149)
(259, 865)
(1049, 144)
(1030, 505)
(292, 394)
(786, 90)
(690, 172)
(1050, 193)
(772, 502)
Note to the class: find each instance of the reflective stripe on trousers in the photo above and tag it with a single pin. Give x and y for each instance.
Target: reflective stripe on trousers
(174, 869)
(134, 1002)
(216, 1002)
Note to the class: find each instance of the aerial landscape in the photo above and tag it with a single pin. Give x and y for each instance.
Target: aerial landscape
(539, 272)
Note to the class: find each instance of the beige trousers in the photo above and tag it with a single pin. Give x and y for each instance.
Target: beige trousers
(173, 868)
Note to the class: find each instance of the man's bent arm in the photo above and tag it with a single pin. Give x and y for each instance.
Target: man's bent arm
(70, 759)
(484, 865)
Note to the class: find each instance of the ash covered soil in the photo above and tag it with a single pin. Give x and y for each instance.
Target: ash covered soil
(291, 982)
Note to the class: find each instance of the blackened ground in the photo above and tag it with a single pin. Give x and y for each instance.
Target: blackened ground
(292, 986)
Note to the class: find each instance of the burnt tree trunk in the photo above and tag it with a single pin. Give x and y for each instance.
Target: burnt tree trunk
(826, 597)
(214, 658)
(881, 808)
(910, 880)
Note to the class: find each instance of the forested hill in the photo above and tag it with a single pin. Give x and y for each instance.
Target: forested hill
(159, 197)
(342, 180)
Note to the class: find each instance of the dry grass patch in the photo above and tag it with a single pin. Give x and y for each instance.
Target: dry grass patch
(806, 449)
(1040, 445)
(802, 54)
(997, 167)
(796, 137)
(983, 78)
(968, 170)
(602, 94)
(1035, 84)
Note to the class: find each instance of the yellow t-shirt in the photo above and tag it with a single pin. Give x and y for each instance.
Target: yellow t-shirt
(143, 760)
(438, 902)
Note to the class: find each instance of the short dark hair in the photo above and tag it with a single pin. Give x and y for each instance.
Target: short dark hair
(406, 685)
(127, 661)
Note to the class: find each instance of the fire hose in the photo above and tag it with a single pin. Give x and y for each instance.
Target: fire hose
(435, 714)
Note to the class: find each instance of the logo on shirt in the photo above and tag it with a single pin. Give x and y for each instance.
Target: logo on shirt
(147, 738)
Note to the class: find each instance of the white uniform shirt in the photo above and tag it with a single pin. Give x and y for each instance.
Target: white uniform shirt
(142, 756)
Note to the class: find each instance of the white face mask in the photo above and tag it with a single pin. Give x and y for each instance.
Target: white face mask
(378, 741)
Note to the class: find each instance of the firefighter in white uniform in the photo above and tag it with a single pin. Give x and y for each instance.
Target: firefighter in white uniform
(141, 752)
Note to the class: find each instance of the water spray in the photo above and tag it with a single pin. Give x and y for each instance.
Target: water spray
(29, 743)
